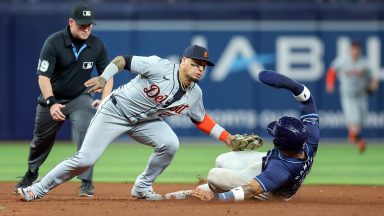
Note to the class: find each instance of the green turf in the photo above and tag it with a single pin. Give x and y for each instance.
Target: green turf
(334, 164)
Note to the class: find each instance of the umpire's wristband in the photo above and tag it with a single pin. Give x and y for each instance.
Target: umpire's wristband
(50, 101)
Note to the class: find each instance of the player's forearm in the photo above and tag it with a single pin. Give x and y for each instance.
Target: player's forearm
(45, 86)
(244, 192)
(278, 80)
(113, 68)
(107, 89)
(209, 126)
(300, 92)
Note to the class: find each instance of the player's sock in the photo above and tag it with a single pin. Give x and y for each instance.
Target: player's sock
(353, 137)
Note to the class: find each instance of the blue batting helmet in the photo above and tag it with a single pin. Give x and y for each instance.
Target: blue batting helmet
(289, 134)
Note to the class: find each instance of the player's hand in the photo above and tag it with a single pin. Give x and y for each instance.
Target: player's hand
(96, 84)
(96, 103)
(228, 141)
(372, 88)
(56, 113)
(330, 88)
(202, 194)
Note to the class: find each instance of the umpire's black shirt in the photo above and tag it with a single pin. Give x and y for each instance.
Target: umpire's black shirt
(68, 67)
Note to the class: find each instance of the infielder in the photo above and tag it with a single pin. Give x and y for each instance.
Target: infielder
(277, 173)
(357, 81)
(66, 61)
(160, 89)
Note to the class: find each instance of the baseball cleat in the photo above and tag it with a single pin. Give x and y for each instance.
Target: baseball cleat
(27, 180)
(361, 145)
(178, 195)
(148, 194)
(26, 194)
(86, 189)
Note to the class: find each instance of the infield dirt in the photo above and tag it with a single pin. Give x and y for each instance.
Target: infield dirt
(115, 199)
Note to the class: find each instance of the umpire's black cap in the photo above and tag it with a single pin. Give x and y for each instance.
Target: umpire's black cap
(197, 52)
(82, 14)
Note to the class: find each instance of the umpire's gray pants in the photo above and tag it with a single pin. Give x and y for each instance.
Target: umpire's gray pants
(106, 126)
(79, 111)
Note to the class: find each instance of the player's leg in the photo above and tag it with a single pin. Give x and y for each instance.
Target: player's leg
(80, 113)
(160, 136)
(350, 109)
(354, 109)
(223, 179)
(237, 160)
(363, 110)
(101, 132)
(41, 144)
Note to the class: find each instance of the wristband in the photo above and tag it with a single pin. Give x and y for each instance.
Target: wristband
(304, 96)
(236, 194)
(50, 101)
(110, 71)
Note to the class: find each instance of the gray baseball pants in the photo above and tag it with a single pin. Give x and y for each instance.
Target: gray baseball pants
(106, 126)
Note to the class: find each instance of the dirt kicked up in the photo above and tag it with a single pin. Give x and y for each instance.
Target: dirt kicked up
(114, 199)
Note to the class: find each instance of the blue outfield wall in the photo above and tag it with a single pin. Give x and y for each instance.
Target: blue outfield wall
(241, 48)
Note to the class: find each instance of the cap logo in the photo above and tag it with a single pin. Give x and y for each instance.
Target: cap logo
(86, 13)
(205, 54)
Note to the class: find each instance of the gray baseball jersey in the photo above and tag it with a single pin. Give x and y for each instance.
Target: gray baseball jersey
(354, 76)
(136, 109)
(146, 96)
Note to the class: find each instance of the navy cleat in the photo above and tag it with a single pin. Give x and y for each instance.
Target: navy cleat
(86, 189)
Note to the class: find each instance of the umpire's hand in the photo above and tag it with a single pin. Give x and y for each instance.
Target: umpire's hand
(96, 84)
(56, 113)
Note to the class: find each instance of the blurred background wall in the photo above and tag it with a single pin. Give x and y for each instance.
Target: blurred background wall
(298, 38)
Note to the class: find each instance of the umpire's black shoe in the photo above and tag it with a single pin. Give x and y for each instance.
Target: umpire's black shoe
(27, 180)
(86, 189)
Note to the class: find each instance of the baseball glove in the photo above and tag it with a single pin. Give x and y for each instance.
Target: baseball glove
(246, 142)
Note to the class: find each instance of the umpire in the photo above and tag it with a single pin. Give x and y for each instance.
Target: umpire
(66, 62)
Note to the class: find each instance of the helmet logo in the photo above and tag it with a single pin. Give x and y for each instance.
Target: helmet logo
(205, 54)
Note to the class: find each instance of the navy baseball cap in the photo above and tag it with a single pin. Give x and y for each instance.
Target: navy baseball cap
(82, 14)
(197, 52)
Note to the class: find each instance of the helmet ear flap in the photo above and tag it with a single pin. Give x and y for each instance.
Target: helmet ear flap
(271, 128)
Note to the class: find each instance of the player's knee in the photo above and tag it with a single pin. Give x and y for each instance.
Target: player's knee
(220, 160)
(82, 161)
(169, 146)
(224, 160)
(215, 179)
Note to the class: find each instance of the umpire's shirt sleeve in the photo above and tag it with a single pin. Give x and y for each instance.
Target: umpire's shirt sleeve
(103, 60)
(47, 59)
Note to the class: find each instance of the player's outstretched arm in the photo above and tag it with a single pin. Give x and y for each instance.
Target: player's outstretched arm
(300, 92)
(248, 191)
(98, 83)
(308, 109)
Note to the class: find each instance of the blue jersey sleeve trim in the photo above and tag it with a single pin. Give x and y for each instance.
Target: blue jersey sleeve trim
(310, 115)
(262, 185)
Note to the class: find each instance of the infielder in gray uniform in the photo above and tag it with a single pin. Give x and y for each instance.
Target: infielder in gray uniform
(357, 81)
(161, 88)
